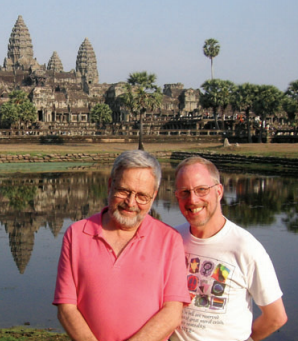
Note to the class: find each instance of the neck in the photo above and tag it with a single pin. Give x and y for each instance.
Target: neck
(116, 236)
(208, 230)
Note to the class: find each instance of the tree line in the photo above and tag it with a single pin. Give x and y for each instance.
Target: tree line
(260, 100)
(141, 94)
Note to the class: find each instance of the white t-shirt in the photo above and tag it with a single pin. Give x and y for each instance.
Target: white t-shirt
(225, 272)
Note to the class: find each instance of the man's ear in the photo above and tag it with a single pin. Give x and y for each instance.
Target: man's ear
(220, 191)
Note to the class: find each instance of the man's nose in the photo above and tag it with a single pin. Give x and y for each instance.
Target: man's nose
(131, 199)
(193, 197)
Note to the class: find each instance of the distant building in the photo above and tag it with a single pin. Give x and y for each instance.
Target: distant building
(66, 98)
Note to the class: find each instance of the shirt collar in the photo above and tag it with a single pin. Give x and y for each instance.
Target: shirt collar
(93, 225)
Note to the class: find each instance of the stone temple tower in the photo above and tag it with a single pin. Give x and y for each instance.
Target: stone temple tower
(55, 63)
(86, 63)
(20, 48)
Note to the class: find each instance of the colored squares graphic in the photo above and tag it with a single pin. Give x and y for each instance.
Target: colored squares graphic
(192, 282)
(221, 273)
(194, 265)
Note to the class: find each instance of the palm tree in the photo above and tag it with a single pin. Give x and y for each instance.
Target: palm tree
(290, 103)
(243, 99)
(267, 102)
(211, 49)
(141, 94)
(101, 113)
(292, 90)
(217, 94)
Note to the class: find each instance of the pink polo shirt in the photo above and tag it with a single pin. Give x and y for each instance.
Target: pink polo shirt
(117, 296)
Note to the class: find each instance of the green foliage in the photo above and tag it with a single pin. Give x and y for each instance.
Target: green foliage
(25, 334)
(243, 99)
(141, 95)
(217, 95)
(144, 95)
(211, 49)
(290, 102)
(11, 338)
(292, 90)
(17, 110)
(290, 106)
(268, 101)
(19, 196)
(101, 113)
(244, 96)
(27, 112)
(8, 114)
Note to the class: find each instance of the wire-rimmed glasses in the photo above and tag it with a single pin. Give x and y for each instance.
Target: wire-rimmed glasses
(199, 191)
(123, 193)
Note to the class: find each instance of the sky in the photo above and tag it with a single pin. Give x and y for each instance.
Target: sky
(258, 38)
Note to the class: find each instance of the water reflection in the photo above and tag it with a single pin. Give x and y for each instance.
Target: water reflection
(34, 200)
(253, 200)
(36, 209)
(31, 201)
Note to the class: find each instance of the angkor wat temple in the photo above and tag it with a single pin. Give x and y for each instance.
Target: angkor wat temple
(65, 98)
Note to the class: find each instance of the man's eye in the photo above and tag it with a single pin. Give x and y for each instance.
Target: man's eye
(142, 196)
(185, 192)
(201, 190)
(123, 191)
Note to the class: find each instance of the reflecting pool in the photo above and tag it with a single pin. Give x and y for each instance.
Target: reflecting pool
(37, 208)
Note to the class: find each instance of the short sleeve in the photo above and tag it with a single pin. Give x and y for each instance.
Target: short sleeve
(176, 280)
(65, 291)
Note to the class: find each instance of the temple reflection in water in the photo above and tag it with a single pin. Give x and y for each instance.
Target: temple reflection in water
(31, 201)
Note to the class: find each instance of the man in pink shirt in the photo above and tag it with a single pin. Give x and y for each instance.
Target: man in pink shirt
(121, 273)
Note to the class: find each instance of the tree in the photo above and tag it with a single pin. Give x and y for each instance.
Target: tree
(226, 94)
(292, 90)
(243, 99)
(211, 49)
(101, 113)
(8, 114)
(290, 103)
(267, 102)
(290, 106)
(141, 95)
(17, 110)
(217, 94)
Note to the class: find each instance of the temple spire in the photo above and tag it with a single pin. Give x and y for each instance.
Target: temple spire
(20, 48)
(86, 63)
(55, 63)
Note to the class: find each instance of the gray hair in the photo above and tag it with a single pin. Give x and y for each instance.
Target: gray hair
(137, 159)
(213, 171)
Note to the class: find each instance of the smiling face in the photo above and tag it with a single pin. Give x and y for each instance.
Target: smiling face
(203, 213)
(126, 213)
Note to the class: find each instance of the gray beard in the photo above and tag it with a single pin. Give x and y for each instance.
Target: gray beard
(125, 221)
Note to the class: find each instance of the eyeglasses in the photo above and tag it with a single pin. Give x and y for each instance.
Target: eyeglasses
(199, 191)
(123, 193)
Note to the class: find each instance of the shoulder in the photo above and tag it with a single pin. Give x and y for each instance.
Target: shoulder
(88, 225)
(159, 228)
(244, 241)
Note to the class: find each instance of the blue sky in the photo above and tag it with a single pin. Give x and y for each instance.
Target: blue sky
(258, 38)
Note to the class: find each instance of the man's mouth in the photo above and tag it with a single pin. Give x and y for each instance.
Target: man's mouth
(195, 209)
(129, 209)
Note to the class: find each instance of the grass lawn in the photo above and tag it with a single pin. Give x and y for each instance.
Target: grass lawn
(23, 334)
(289, 150)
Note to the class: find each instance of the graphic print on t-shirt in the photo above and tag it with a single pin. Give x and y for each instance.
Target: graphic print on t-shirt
(207, 283)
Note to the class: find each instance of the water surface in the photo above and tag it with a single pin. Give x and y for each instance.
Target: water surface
(36, 209)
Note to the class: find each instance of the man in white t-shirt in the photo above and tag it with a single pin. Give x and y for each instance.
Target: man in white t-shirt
(227, 266)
